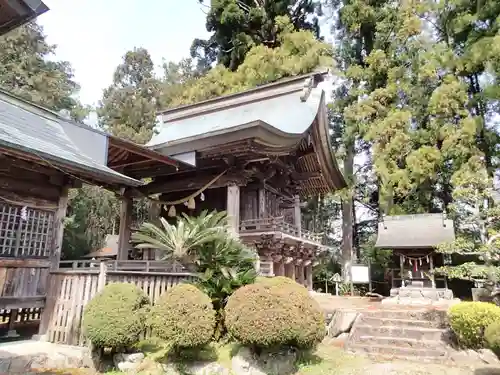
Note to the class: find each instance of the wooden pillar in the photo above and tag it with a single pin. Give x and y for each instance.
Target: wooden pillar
(59, 228)
(309, 276)
(125, 222)
(300, 276)
(290, 270)
(431, 268)
(233, 207)
(402, 270)
(12, 324)
(279, 268)
(296, 214)
(262, 203)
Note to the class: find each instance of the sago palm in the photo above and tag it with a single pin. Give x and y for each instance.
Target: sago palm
(181, 241)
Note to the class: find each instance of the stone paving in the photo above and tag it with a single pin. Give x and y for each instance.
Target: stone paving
(24, 357)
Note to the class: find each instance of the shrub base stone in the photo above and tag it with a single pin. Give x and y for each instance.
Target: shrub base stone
(245, 362)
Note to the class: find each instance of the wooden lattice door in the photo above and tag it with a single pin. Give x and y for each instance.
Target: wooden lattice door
(25, 232)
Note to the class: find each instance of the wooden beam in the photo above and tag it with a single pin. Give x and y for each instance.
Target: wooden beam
(24, 263)
(59, 228)
(8, 161)
(190, 184)
(9, 303)
(32, 202)
(48, 192)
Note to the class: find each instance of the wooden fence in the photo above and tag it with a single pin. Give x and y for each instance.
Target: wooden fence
(69, 290)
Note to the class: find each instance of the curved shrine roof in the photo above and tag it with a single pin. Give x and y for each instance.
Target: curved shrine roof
(284, 117)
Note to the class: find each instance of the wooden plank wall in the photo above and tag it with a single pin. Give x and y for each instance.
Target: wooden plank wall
(70, 291)
(23, 283)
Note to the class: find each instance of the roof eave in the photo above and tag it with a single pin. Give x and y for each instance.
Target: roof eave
(265, 132)
(324, 150)
(25, 13)
(113, 178)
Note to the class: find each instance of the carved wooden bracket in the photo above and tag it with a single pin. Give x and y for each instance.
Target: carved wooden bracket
(269, 245)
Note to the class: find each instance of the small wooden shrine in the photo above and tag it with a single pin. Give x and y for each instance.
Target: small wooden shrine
(413, 239)
(14, 13)
(257, 155)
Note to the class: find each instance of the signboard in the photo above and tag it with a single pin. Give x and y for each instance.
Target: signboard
(360, 274)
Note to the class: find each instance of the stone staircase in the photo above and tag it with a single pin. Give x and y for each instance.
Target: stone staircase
(402, 333)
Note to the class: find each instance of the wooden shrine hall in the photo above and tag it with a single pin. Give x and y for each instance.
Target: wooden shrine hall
(258, 155)
(42, 156)
(413, 240)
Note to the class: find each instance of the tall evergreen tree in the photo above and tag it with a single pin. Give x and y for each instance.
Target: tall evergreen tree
(27, 70)
(128, 107)
(239, 25)
(299, 52)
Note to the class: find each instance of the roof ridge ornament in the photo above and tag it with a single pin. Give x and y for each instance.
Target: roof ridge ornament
(306, 89)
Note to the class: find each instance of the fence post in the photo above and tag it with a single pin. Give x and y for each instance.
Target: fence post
(101, 281)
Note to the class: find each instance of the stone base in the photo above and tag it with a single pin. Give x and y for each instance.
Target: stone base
(419, 292)
(412, 295)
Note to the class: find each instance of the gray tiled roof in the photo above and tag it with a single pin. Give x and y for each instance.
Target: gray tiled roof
(295, 120)
(32, 130)
(414, 231)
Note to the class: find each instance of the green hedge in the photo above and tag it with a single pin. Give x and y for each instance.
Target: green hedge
(492, 336)
(469, 320)
(183, 316)
(274, 312)
(115, 317)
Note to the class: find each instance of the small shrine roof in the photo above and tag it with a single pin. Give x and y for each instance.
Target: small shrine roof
(414, 231)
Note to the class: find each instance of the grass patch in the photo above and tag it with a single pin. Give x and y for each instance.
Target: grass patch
(328, 360)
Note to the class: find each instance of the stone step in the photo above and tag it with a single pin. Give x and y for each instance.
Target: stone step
(397, 342)
(389, 352)
(416, 333)
(407, 314)
(394, 322)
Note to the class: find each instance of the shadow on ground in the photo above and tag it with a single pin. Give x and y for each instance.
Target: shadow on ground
(487, 371)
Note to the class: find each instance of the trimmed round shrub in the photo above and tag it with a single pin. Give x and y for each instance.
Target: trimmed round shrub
(492, 336)
(114, 318)
(273, 313)
(183, 316)
(468, 320)
(279, 281)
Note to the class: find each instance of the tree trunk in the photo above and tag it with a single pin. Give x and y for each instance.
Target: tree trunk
(348, 213)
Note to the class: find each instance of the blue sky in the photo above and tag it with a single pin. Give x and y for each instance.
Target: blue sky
(93, 35)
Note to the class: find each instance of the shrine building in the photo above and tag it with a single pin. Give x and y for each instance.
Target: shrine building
(258, 155)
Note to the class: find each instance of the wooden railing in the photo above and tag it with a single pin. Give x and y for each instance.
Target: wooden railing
(397, 279)
(278, 224)
(124, 265)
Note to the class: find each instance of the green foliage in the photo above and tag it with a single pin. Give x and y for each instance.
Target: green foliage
(268, 313)
(221, 262)
(128, 107)
(184, 239)
(184, 317)
(298, 53)
(222, 267)
(27, 69)
(115, 317)
(492, 336)
(239, 25)
(469, 320)
(92, 215)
